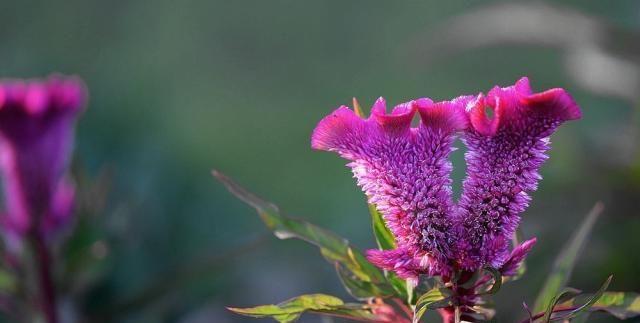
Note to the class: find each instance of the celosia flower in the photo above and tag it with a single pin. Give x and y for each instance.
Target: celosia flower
(405, 172)
(36, 135)
(504, 155)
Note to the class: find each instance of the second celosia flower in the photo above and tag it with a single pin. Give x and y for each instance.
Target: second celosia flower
(37, 120)
(405, 172)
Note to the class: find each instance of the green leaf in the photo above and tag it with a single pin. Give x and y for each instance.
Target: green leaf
(565, 261)
(565, 295)
(619, 304)
(497, 281)
(386, 241)
(333, 248)
(383, 235)
(358, 288)
(432, 299)
(398, 284)
(622, 305)
(291, 310)
(591, 300)
(411, 292)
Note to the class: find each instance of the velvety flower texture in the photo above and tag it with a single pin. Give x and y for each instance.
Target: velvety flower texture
(405, 173)
(36, 134)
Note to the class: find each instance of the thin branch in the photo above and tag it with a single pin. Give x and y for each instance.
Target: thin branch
(47, 293)
(555, 310)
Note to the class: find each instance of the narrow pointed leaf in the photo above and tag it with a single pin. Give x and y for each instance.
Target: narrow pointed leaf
(386, 241)
(383, 235)
(433, 299)
(398, 284)
(333, 247)
(565, 261)
(360, 289)
(497, 281)
(291, 310)
(564, 296)
(590, 301)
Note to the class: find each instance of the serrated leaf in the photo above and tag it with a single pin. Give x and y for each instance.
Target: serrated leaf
(333, 247)
(432, 299)
(565, 261)
(291, 310)
(383, 235)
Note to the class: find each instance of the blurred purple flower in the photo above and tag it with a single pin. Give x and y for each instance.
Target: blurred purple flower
(36, 136)
(405, 173)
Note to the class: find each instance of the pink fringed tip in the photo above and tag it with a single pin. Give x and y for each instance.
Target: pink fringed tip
(332, 128)
(39, 96)
(447, 115)
(479, 115)
(556, 103)
(399, 118)
(517, 102)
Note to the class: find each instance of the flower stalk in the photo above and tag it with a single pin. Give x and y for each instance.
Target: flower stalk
(47, 292)
(37, 119)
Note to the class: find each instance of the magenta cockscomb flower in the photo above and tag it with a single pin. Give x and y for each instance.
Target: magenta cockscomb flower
(405, 173)
(36, 132)
(504, 155)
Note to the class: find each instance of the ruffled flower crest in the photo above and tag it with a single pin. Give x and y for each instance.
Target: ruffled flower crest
(404, 171)
(504, 154)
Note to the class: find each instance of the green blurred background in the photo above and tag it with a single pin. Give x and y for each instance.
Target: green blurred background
(181, 87)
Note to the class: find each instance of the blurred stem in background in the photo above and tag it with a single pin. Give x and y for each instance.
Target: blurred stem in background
(46, 287)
